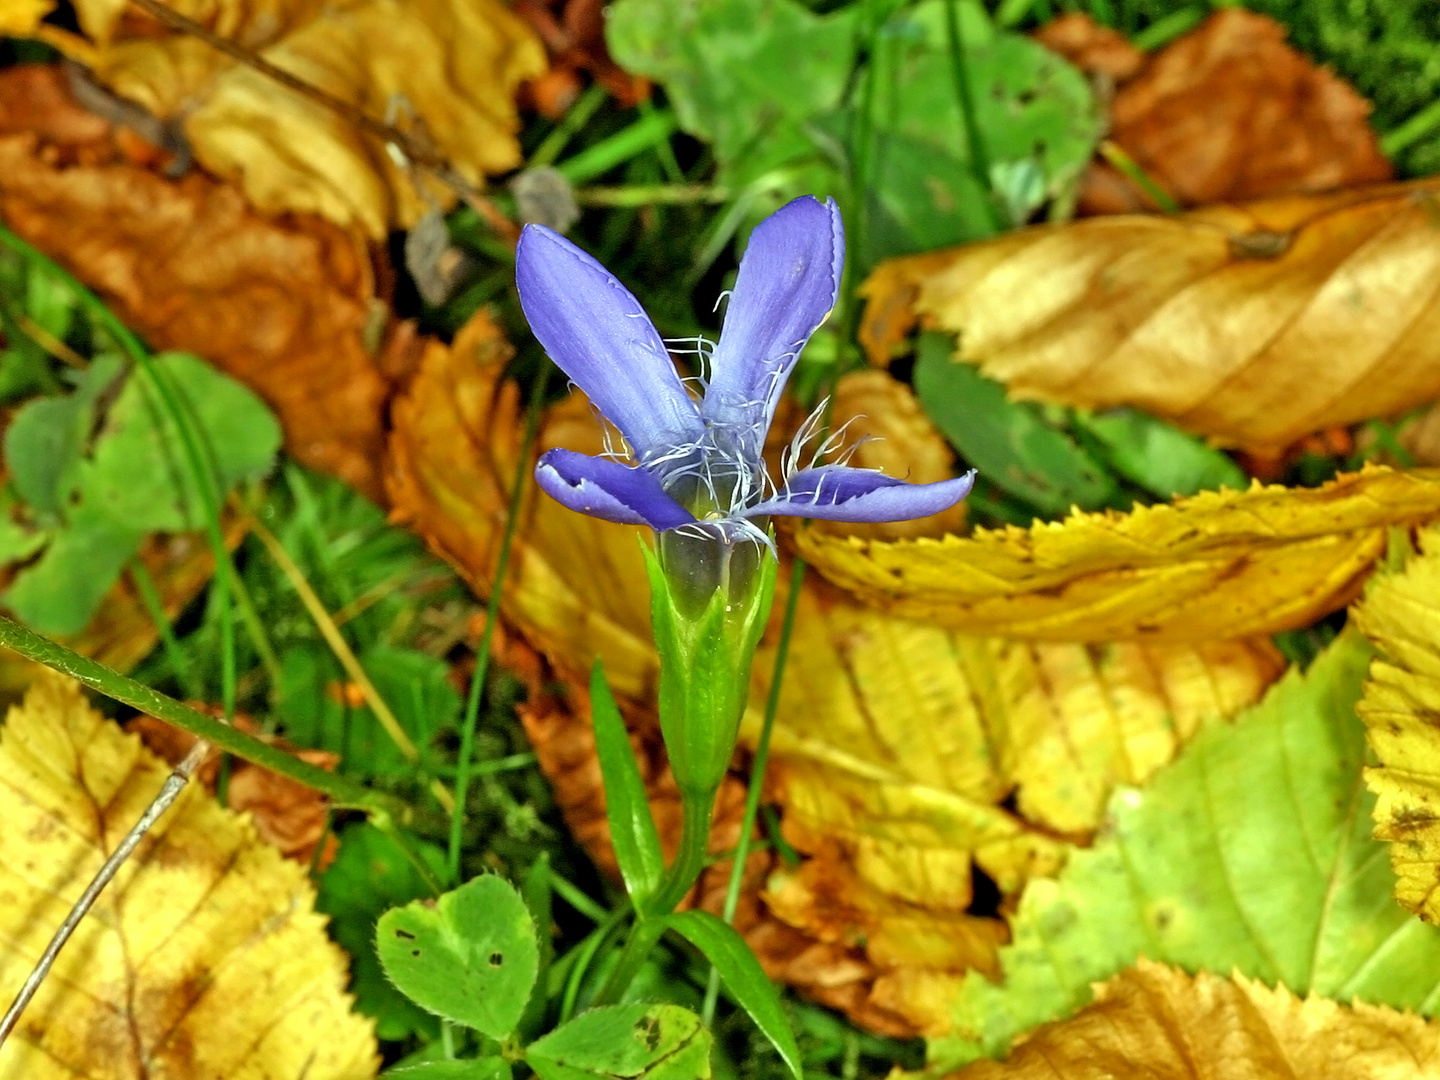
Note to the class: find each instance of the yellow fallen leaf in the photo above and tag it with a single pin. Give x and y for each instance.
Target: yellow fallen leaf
(1216, 565)
(19, 18)
(1252, 324)
(1154, 1022)
(1401, 711)
(204, 957)
(456, 63)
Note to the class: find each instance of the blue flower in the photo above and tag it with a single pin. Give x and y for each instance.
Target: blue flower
(697, 467)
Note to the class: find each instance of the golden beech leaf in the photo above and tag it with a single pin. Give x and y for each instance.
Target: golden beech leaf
(1216, 565)
(204, 957)
(454, 66)
(1251, 324)
(19, 18)
(895, 743)
(280, 305)
(1401, 616)
(1153, 1022)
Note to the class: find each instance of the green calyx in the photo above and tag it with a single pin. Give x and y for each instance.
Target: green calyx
(706, 640)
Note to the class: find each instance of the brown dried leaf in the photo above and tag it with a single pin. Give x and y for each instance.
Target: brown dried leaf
(204, 957)
(455, 63)
(1252, 325)
(286, 814)
(1091, 47)
(281, 306)
(1230, 112)
(1216, 565)
(1154, 1022)
(574, 35)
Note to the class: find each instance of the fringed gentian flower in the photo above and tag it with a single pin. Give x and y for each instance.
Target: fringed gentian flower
(698, 467)
(695, 471)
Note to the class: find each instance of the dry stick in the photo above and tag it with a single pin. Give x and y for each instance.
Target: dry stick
(341, 648)
(174, 784)
(419, 150)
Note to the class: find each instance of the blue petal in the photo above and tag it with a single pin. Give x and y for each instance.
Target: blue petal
(839, 493)
(788, 282)
(599, 335)
(606, 489)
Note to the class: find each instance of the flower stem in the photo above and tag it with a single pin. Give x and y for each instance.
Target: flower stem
(757, 776)
(690, 859)
(649, 922)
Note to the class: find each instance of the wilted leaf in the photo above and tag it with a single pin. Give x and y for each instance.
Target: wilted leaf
(1252, 325)
(1153, 1022)
(203, 957)
(455, 63)
(1215, 565)
(1401, 616)
(1251, 852)
(281, 306)
(1229, 112)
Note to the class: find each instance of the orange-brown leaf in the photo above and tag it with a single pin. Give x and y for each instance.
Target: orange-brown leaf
(1153, 1022)
(1251, 324)
(281, 306)
(1230, 112)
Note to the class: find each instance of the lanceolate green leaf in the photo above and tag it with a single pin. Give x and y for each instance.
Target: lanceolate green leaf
(1252, 853)
(743, 977)
(632, 829)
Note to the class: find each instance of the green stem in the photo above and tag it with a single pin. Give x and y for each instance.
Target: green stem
(1131, 169)
(492, 616)
(174, 654)
(344, 793)
(695, 811)
(645, 934)
(651, 195)
(978, 155)
(577, 117)
(757, 775)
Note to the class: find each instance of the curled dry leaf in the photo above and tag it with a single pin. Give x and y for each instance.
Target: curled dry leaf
(1224, 113)
(286, 814)
(281, 306)
(1401, 616)
(1253, 325)
(455, 65)
(1153, 1022)
(574, 35)
(895, 741)
(203, 957)
(1216, 565)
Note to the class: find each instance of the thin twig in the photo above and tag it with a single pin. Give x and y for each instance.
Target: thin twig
(417, 148)
(174, 784)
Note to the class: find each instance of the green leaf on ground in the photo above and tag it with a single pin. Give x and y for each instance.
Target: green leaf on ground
(59, 593)
(1158, 456)
(1008, 441)
(471, 959)
(654, 1042)
(414, 684)
(1251, 853)
(371, 874)
(139, 473)
(486, 1068)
